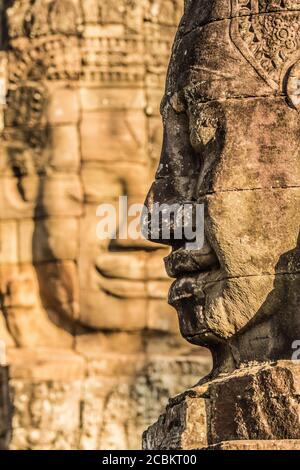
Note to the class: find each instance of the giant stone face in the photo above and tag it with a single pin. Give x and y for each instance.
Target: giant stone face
(92, 345)
(81, 129)
(231, 141)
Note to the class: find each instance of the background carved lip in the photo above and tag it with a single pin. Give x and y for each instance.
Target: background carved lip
(131, 266)
(130, 289)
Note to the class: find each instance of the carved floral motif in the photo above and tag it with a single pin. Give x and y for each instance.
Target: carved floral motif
(42, 17)
(268, 42)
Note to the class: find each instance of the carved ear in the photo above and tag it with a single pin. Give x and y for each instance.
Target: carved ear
(293, 85)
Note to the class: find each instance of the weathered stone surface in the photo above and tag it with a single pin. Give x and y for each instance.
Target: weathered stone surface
(64, 149)
(5, 409)
(42, 364)
(97, 348)
(58, 406)
(8, 242)
(284, 444)
(258, 402)
(255, 404)
(63, 107)
(231, 121)
(4, 333)
(48, 239)
(124, 141)
(183, 426)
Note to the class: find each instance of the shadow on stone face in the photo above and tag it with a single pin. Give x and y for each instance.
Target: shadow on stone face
(6, 409)
(4, 5)
(270, 334)
(55, 309)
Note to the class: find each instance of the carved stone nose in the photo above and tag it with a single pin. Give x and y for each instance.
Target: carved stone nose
(163, 223)
(174, 224)
(165, 205)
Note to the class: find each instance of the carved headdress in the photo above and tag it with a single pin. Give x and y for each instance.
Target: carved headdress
(270, 43)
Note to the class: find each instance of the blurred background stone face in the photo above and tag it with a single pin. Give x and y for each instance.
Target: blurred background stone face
(93, 347)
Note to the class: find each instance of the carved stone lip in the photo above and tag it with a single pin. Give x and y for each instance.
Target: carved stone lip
(192, 286)
(202, 333)
(187, 262)
(188, 287)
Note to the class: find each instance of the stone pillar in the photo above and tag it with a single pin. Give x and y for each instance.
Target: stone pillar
(93, 348)
(231, 143)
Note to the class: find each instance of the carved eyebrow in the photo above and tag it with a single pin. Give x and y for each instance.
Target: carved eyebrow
(192, 93)
(218, 73)
(195, 90)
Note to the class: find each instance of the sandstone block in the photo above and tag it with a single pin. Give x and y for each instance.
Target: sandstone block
(114, 313)
(45, 364)
(95, 99)
(12, 203)
(247, 139)
(59, 291)
(94, 345)
(49, 239)
(8, 242)
(63, 107)
(254, 403)
(130, 266)
(122, 141)
(246, 240)
(65, 148)
(61, 195)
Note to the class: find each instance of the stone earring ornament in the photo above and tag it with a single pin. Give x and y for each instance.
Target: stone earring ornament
(293, 86)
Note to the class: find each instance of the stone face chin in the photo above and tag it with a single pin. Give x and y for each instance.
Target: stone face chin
(231, 127)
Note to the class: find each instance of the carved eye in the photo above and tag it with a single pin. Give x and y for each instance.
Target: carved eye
(203, 129)
(206, 127)
(178, 103)
(203, 133)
